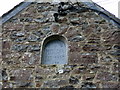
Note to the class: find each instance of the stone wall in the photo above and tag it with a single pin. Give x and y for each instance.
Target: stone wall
(93, 55)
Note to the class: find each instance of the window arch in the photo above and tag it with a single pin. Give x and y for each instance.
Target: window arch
(54, 50)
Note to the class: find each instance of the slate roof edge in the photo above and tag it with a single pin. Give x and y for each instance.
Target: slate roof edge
(104, 13)
(14, 11)
(101, 11)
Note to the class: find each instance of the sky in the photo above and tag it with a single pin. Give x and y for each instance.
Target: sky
(109, 5)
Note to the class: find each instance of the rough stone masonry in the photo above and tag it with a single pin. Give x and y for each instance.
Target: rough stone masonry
(93, 49)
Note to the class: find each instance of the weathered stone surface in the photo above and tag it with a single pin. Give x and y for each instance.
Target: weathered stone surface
(92, 48)
(38, 78)
(73, 80)
(26, 19)
(21, 77)
(88, 85)
(7, 85)
(116, 47)
(32, 26)
(6, 45)
(19, 34)
(68, 68)
(55, 83)
(111, 85)
(112, 38)
(19, 47)
(106, 59)
(83, 58)
(106, 76)
(38, 84)
(70, 87)
(30, 58)
(41, 20)
(4, 75)
(116, 67)
(5, 54)
(89, 58)
(115, 52)
(43, 71)
(46, 29)
(77, 38)
(38, 33)
(33, 38)
(20, 40)
(13, 26)
(71, 31)
(28, 11)
(75, 20)
(74, 58)
(32, 48)
(55, 27)
(80, 69)
(88, 77)
(43, 7)
(88, 29)
(63, 29)
(15, 34)
(74, 47)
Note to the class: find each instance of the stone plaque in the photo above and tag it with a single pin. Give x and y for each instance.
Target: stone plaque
(55, 52)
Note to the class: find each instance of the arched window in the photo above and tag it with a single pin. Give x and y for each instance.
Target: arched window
(54, 50)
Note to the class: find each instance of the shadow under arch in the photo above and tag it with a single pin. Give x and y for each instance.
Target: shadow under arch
(54, 50)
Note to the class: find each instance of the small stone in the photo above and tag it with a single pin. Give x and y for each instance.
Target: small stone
(51, 84)
(55, 27)
(45, 13)
(34, 48)
(20, 34)
(73, 80)
(108, 59)
(26, 19)
(38, 78)
(63, 29)
(70, 87)
(33, 38)
(41, 20)
(4, 75)
(19, 47)
(88, 85)
(75, 21)
(111, 85)
(43, 8)
(22, 39)
(22, 77)
(115, 53)
(30, 58)
(38, 33)
(91, 47)
(116, 47)
(6, 45)
(106, 76)
(46, 29)
(14, 35)
(77, 38)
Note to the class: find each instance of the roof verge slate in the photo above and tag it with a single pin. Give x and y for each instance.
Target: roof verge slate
(14, 11)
